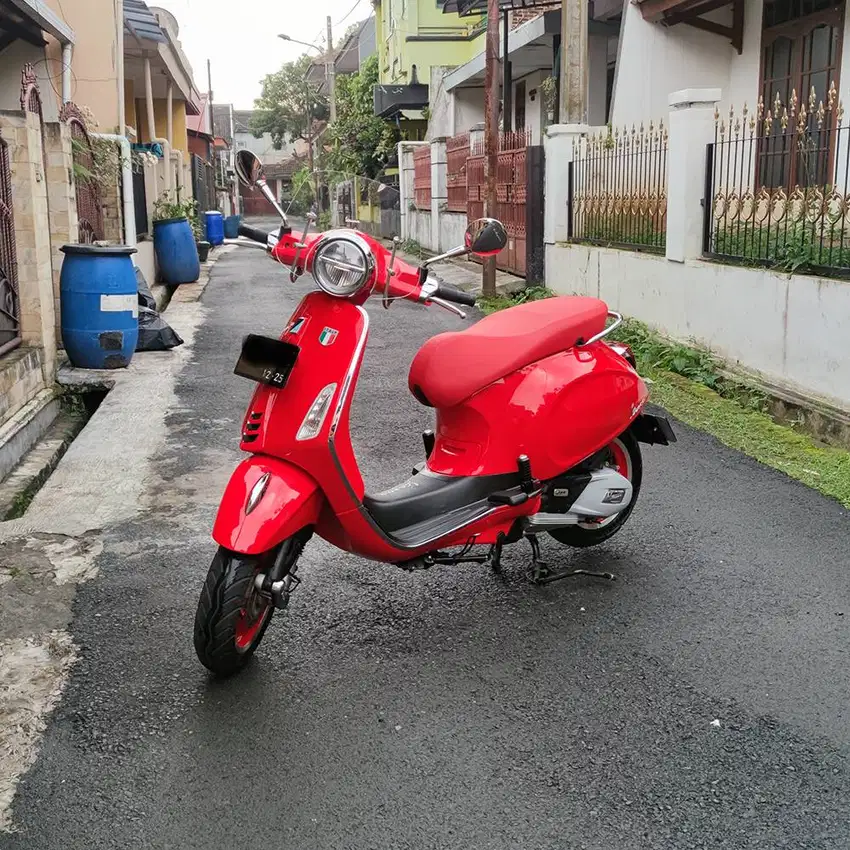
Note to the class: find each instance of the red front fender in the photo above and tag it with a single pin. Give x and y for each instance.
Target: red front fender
(290, 501)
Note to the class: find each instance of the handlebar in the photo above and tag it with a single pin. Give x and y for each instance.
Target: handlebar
(458, 296)
(254, 233)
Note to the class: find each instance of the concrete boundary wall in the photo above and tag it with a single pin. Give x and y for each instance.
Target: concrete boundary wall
(791, 328)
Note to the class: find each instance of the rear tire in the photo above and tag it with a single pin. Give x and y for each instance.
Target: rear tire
(232, 616)
(625, 457)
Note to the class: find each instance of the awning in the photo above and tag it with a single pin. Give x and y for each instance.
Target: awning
(141, 23)
(26, 19)
(391, 101)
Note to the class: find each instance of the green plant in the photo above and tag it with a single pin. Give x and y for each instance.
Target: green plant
(324, 220)
(533, 292)
(411, 246)
(166, 207)
(788, 249)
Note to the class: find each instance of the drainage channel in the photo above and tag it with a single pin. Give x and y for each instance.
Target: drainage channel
(19, 487)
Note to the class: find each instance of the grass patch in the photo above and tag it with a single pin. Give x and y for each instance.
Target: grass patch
(502, 302)
(687, 383)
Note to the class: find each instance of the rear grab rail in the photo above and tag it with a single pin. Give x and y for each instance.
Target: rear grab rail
(618, 320)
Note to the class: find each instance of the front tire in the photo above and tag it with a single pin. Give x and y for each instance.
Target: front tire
(624, 456)
(232, 616)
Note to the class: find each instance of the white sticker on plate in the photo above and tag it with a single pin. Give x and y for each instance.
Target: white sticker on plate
(120, 304)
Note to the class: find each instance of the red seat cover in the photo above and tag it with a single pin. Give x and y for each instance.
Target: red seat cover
(451, 367)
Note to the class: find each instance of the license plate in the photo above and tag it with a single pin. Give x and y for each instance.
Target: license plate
(266, 360)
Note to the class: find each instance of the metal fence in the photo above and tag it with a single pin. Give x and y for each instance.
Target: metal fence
(422, 177)
(457, 153)
(10, 324)
(617, 193)
(779, 183)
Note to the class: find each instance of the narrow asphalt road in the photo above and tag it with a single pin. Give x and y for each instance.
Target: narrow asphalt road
(699, 702)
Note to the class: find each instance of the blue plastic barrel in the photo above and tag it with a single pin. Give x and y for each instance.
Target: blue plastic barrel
(231, 226)
(215, 227)
(99, 306)
(176, 252)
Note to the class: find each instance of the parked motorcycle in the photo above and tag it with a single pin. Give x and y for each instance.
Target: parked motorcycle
(538, 425)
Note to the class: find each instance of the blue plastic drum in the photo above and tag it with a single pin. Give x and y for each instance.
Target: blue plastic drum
(99, 305)
(214, 226)
(231, 226)
(176, 251)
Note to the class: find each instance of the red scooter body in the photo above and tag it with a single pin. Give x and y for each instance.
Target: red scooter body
(556, 411)
(538, 421)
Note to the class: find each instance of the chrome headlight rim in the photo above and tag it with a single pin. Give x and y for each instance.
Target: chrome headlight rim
(334, 237)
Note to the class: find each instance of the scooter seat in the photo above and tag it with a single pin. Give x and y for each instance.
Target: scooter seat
(451, 367)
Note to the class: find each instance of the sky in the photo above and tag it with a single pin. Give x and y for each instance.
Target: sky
(240, 38)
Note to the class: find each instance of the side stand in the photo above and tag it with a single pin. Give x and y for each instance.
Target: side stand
(542, 574)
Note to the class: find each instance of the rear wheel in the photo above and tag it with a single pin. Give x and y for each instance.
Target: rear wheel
(232, 614)
(623, 455)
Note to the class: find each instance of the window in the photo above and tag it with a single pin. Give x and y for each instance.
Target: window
(801, 55)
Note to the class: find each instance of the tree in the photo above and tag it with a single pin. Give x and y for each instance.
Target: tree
(360, 142)
(282, 108)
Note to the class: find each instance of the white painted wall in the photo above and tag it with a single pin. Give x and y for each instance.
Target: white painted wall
(13, 59)
(655, 60)
(791, 328)
(468, 109)
(419, 228)
(146, 261)
(452, 229)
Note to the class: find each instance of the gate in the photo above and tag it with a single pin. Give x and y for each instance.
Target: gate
(89, 209)
(10, 324)
(519, 177)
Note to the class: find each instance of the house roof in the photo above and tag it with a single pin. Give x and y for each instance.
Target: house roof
(140, 22)
(200, 123)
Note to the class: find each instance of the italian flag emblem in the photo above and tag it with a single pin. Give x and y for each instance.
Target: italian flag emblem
(328, 336)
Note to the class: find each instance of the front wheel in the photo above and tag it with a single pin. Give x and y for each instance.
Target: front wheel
(232, 615)
(624, 456)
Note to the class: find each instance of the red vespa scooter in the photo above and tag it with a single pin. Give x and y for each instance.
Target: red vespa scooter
(538, 422)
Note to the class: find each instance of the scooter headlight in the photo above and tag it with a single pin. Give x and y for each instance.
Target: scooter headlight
(343, 264)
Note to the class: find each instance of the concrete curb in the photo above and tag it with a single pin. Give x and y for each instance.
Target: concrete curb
(164, 293)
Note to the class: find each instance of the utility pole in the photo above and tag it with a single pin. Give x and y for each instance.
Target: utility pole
(573, 62)
(310, 161)
(330, 72)
(491, 132)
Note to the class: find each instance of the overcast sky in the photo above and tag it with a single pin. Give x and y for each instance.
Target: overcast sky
(240, 38)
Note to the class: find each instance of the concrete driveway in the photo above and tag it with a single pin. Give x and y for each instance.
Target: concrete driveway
(699, 702)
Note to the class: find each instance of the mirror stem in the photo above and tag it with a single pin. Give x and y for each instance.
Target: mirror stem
(455, 252)
(269, 196)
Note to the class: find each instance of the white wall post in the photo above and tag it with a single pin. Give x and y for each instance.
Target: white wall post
(439, 190)
(405, 185)
(691, 129)
(558, 144)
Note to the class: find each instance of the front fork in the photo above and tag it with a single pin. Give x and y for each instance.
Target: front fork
(281, 580)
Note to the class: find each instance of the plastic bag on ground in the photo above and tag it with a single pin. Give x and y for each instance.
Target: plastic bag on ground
(155, 334)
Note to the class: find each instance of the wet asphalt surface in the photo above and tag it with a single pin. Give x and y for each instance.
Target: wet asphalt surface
(455, 709)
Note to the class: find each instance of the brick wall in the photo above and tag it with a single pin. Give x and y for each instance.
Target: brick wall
(521, 16)
(64, 226)
(34, 248)
(113, 229)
